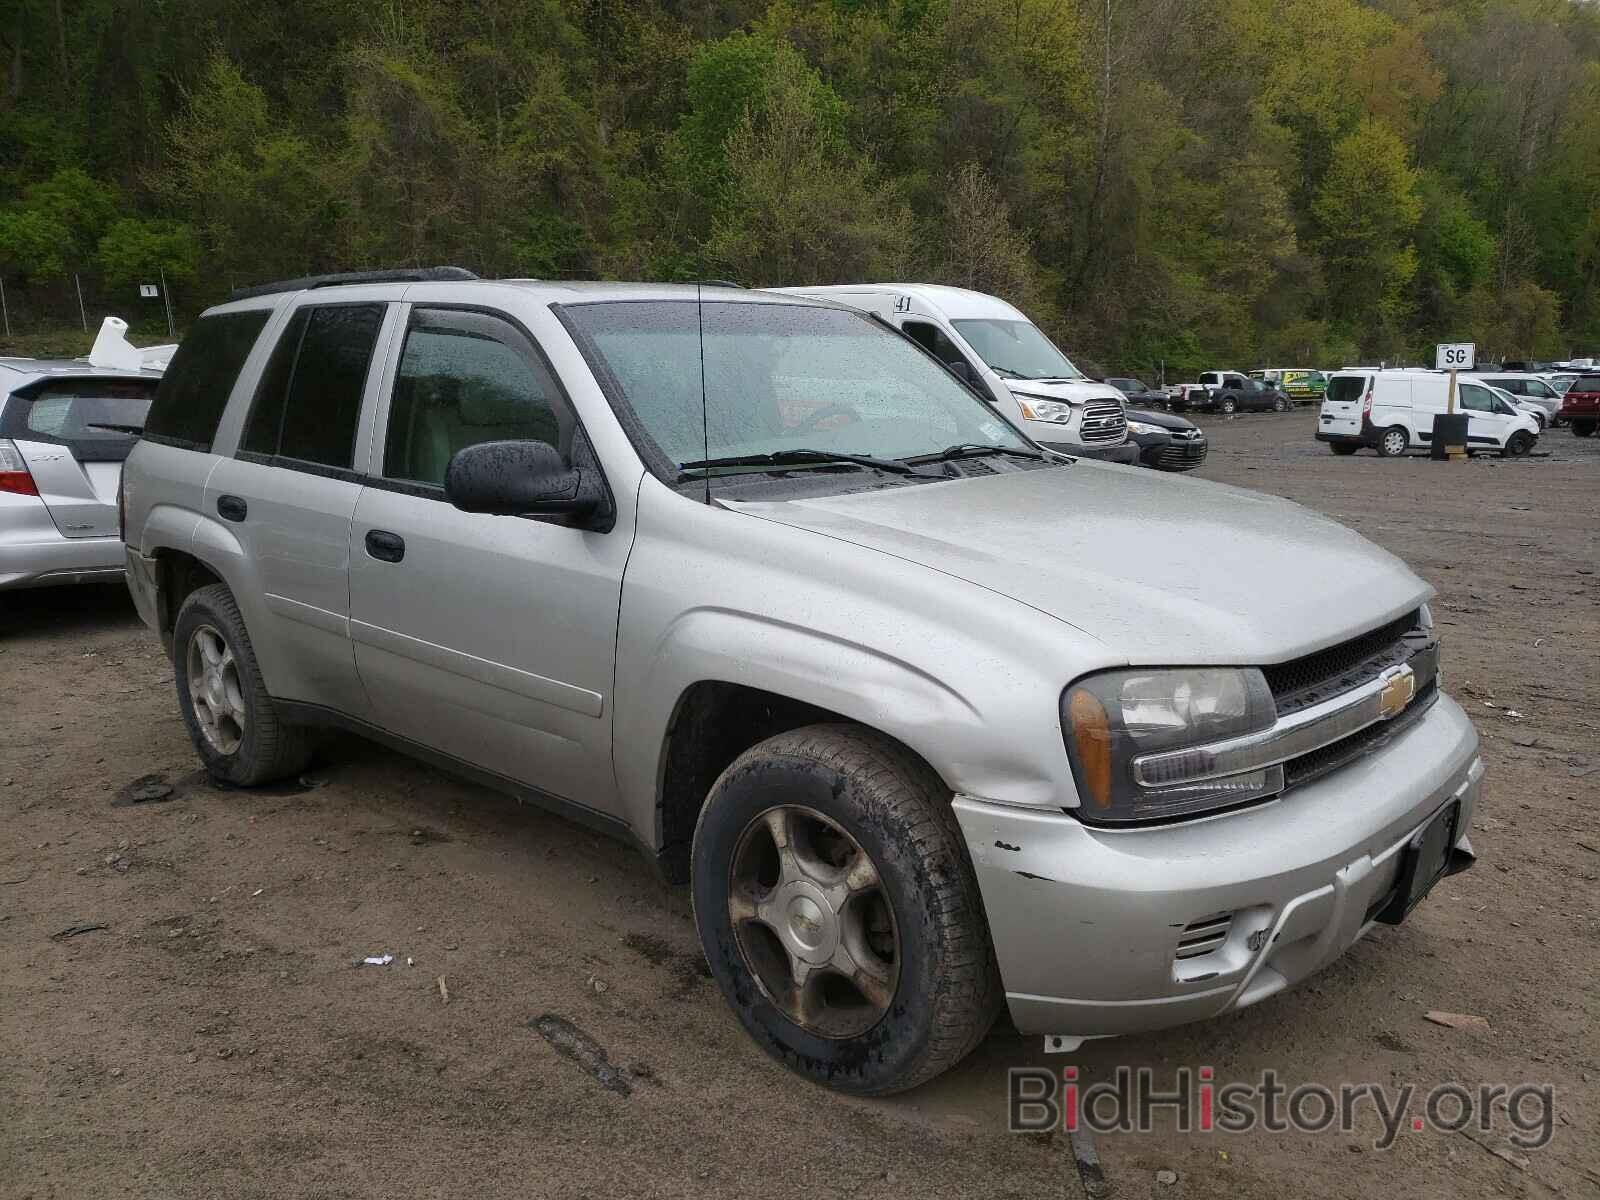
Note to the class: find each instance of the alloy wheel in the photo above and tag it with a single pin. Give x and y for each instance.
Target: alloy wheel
(813, 922)
(215, 690)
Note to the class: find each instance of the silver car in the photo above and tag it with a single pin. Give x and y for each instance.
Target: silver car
(930, 720)
(65, 428)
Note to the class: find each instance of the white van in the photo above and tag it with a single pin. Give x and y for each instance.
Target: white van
(1393, 411)
(1005, 356)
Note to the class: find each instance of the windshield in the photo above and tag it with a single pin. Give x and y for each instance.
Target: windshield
(1017, 349)
(778, 377)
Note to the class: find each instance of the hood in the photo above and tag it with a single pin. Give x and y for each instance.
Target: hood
(1160, 420)
(1161, 570)
(1078, 391)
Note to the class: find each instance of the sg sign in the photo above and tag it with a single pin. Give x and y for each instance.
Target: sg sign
(1454, 356)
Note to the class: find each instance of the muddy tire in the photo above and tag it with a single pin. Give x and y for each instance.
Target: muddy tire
(232, 721)
(1517, 445)
(1280, 405)
(1343, 448)
(1392, 442)
(830, 837)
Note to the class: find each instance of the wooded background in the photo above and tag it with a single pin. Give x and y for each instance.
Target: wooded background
(1196, 182)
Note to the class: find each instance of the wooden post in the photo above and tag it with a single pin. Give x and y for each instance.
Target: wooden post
(1457, 453)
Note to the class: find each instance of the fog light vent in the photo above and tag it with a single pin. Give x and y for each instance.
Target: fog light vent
(1204, 936)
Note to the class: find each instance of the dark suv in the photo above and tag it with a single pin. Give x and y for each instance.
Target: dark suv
(1248, 395)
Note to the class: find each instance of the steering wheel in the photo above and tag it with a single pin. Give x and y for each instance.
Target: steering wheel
(814, 421)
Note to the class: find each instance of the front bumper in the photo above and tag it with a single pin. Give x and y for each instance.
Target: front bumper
(59, 560)
(1125, 452)
(1167, 453)
(1087, 922)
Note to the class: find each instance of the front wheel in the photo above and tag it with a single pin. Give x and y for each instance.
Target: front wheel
(1280, 405)
(1517, 445)
(839, 911)
(231, 719)
(1393, 442)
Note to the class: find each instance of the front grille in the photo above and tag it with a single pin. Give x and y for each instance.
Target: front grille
(1203, 936)
(1374, 737)
(1181, 453)
(1103, 421)
(1305, 681)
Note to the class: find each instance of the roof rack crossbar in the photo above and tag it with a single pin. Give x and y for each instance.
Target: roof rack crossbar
(399, 275)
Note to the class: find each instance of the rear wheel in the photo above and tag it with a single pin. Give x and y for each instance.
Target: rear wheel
(1280, 405)
(1343, 447)
(1393, 442)
(1227, 405)
(231, 719)
(839, 912)
(1582, 428)
(1517, 445)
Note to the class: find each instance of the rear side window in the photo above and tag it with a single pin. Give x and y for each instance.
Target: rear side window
(195, 388)
(465, 378)
(309, 401)
(1346, 389)
(98, 419)
(1586, 383)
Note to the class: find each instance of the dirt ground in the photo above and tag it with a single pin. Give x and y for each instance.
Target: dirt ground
(212, 1037)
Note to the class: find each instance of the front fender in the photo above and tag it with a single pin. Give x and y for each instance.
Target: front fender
(967, 679)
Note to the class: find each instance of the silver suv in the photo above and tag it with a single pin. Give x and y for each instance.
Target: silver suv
(931, 720)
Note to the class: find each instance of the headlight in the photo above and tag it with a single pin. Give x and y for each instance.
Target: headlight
(1141, 427)
(1111, 720)
(1035, 408)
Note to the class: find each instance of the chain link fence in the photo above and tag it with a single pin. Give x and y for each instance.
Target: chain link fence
(156, 310)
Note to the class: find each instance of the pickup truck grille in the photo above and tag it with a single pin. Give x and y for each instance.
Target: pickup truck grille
(1103, 421)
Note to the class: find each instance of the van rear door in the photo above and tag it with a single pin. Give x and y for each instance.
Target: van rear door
(1344, 404)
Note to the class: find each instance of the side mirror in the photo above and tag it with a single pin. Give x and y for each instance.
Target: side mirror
(521, 478)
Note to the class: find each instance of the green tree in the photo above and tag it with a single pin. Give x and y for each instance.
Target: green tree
(1366, 211)
(137, 251)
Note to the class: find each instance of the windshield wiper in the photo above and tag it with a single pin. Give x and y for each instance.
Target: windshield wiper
(1006, 371)
(800, 458)
(972, 450)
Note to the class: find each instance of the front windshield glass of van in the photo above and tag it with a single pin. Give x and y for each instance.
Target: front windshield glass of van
(1017, 350)
(778, 378)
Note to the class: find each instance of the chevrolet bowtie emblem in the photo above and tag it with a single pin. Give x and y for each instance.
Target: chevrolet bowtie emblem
(1399, 686)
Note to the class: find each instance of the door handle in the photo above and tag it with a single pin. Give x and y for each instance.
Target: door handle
(232, 508)
(386, 546)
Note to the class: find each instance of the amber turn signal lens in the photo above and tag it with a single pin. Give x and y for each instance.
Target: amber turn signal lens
(1091, 735)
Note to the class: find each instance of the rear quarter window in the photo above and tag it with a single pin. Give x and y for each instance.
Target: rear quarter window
(195, 388)
(1586, 383)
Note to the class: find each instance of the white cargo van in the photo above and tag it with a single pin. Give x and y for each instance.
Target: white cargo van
(1393, 411)
(1005, 356)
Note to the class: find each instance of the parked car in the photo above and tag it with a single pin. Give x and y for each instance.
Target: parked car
(66, 425)
(1238, 394)
(1560, 381)
(1136, 392)
(995, 348)
(1581, 405)
(1393, 411)
(1166, 442)
(1303, 385)
(1520, 404)
(1185, 397)
(752, 582)
(1529, 390)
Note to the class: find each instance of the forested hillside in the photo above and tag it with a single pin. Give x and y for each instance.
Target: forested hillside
(1194, 181)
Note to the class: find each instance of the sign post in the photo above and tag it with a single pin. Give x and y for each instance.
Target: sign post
(1450, 433)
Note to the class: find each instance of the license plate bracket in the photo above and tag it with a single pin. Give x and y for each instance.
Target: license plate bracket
(1424, 861)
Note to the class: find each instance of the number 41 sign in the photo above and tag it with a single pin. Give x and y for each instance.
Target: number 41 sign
(1454, 356)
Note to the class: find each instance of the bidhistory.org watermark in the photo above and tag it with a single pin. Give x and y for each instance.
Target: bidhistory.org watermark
(1193, 1101)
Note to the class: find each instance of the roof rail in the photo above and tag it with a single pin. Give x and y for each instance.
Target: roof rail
(718, 283)
(400, 275)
